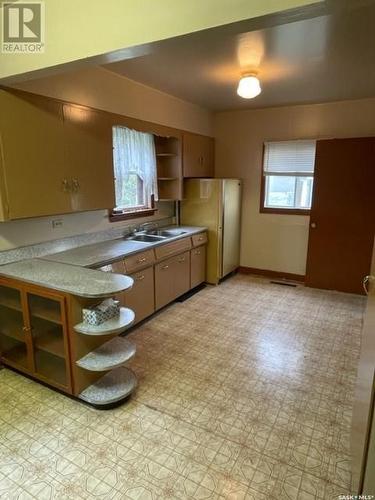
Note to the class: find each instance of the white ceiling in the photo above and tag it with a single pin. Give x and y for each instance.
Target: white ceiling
(325, 58)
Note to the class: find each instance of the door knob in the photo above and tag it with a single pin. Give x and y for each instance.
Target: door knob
(313, 225)
(365, 282)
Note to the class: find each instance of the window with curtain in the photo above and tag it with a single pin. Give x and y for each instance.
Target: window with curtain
(134, 161)
(288, 176)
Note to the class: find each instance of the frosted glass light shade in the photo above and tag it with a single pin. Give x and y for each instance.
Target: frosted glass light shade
(249, 87)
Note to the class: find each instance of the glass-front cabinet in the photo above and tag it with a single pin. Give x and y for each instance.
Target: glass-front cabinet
(33, 334)
(13, 332)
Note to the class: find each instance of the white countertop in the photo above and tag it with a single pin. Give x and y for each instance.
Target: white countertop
(74, 280)
(67, 271)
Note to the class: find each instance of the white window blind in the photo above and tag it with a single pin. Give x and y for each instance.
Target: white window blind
(295, 158)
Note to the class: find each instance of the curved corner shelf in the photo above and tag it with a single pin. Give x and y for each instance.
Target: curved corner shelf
(114, 325)
(111, 388)
(108, 356)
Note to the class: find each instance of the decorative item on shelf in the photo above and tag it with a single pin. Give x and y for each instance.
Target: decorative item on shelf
(98, 314)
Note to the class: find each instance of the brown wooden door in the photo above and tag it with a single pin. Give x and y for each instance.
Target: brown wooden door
(342, 220)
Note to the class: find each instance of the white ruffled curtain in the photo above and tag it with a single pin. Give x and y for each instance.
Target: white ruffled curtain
(134, 152)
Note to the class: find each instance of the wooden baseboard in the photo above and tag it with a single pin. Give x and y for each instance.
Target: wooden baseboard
(271, 274)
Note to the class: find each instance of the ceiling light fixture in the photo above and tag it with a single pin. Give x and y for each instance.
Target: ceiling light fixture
(249, 86)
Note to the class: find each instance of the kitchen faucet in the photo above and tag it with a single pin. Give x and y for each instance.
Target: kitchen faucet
(147, 226)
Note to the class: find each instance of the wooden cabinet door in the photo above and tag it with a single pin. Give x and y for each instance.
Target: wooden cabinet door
(197, 266)
(141, 297)
(47, 324)
(88, 143)
(31, 137)
(208, 156)
(15, 346)
(198, 155)
(164, 283)
(181, 274)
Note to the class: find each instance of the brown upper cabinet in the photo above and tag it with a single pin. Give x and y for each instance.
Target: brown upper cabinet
(88, 149)
(55, 158)
(198, 155)
(32, 163)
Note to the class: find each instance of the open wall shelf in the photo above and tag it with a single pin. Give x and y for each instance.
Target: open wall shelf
(169, 167)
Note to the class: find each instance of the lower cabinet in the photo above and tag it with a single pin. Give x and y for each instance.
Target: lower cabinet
(197, 266)
(141, 297)
(33, 334)
(182, 274)
(160, 284)
(172, 279)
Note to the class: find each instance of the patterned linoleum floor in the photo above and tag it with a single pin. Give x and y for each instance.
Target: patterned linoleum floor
(245, 391)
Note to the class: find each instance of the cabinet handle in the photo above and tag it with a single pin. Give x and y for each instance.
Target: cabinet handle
(76, 186)
(141, 259)
(198, 252)
(182, 259)
(140, 278)
(66, 185)
(165, 267)
(200, 238)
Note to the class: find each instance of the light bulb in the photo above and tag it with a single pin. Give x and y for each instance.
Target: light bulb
(249, 87)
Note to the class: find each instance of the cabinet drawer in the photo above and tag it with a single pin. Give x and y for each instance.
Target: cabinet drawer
(139, 260)
(199, 239)
(141, 297)
(173, 248)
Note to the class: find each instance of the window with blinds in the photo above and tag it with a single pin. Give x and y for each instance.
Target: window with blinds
(288, 174)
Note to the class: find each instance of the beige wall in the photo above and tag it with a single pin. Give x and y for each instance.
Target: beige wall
(102, 89)
(279, 242)
(76, 30)
(31, 231)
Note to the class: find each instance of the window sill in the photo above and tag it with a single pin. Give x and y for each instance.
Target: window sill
(284, 211)
(117, 217)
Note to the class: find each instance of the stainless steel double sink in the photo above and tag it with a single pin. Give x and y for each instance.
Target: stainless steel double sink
(156, 235)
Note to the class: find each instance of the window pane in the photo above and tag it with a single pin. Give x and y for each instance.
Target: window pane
(288, 192)
(280, 191)
(132, 193)
(304, 187)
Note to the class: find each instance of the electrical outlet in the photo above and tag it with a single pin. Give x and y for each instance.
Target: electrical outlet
(57, 223)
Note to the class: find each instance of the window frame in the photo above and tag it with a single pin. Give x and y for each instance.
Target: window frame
(277, 210)
(132, 212)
